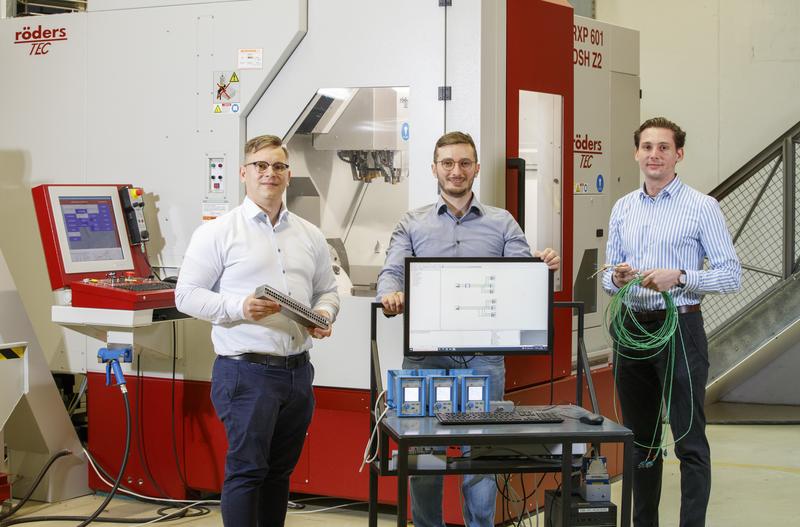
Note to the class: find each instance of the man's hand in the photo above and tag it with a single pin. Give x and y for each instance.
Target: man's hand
(660, 279)
(319, 333)
(257, 308)
(623, 273)
(393, 303)
(550, 257)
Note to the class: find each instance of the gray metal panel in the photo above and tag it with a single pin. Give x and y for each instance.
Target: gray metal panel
(127, 97)
(624, 50)
(476, 29)
(753, 341)
(115, 5)
(624, 110)
(493, 103)
(43, 138)
(150, 101)
(606, 113)
(38, 428)
(775, 383)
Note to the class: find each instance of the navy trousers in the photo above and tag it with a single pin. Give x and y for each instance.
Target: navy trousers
(266, 412)
(639, 385)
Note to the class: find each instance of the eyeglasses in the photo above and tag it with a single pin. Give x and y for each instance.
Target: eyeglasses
(463, 164)
(262, 166)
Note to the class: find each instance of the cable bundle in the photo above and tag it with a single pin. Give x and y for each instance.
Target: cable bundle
(628, 332)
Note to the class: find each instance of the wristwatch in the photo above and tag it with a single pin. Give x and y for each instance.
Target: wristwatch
(682, 279)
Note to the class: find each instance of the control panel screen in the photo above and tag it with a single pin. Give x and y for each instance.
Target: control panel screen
(91, 230)
(477, 306)
(442, 393)
(475, 393)
(411, 395)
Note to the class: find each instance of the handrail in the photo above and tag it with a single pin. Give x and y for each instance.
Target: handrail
(760, 202)
(754, 165)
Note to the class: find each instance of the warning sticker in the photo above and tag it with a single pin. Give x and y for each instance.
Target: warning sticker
(251, 59)
(213, 210)
(226, 92)
(12, 353)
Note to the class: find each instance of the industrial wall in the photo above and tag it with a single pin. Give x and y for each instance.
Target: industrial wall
(727, 71)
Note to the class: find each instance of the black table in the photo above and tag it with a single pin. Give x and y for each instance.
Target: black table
(426, 431)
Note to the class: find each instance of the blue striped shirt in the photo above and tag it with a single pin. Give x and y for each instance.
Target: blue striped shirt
(432, 231)
(677, 229)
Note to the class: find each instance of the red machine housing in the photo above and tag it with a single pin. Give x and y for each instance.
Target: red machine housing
(328, 464)
(539, 58)
(5, 487)
(104, 294)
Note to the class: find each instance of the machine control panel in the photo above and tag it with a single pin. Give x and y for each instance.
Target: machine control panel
(475, 393)
(215, 176)
(123, 291)
(442, 394)
(410, 397)
(132, 199)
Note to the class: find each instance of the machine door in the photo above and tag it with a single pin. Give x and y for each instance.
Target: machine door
(344, 50)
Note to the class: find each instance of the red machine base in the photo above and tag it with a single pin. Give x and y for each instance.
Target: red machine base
(328, 465)
(5, 487)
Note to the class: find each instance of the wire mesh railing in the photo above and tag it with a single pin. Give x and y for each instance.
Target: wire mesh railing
(760, 202)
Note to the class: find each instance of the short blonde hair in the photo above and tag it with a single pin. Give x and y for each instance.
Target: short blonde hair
(264, 141)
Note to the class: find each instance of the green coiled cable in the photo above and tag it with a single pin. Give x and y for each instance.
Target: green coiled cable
(634, 336)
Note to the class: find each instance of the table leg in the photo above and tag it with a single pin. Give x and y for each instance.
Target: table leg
(402, 484)
(373, 497)
(627, 481)
(566, 481)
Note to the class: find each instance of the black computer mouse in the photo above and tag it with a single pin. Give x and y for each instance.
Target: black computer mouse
(591, 419)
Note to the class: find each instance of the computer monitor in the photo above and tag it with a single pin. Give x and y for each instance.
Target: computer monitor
(477, 306)
(83, 231)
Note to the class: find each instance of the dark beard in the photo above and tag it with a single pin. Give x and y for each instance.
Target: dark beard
(460, 195)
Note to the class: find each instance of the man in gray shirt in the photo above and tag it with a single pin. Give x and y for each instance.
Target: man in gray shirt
(456, 225)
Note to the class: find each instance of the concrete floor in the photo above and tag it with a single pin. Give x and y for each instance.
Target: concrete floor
(756, 475)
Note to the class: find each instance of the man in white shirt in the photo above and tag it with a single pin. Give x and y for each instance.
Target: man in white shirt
(261, 383)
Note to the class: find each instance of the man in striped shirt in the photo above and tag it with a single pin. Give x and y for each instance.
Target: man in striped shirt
(663, 232)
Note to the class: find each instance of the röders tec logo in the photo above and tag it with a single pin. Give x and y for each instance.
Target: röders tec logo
(40, 39)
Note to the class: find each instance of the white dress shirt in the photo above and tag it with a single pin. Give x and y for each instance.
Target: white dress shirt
(229, 257)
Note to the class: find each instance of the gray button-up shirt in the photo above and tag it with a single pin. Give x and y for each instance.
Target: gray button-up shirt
(432, 231)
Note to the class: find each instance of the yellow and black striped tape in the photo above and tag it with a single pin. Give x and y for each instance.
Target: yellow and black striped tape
(12, 353)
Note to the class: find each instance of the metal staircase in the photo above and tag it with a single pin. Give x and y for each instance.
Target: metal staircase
(750, 330)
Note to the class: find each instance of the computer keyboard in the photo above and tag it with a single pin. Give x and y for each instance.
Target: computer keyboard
(516, 416)
(146, 286)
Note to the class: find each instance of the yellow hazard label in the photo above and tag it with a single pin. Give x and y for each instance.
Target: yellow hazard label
(12, 353)
(234, 77)
(217, 109)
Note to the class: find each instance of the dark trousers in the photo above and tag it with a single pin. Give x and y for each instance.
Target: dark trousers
(479, 490)
(640, 384)
(266, 412)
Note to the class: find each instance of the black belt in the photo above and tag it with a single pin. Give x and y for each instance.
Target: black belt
(661, 314)
(274, 361)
